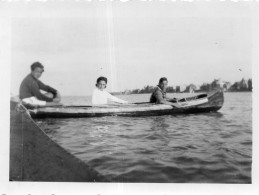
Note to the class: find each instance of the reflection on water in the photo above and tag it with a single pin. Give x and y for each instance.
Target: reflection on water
(212, 147)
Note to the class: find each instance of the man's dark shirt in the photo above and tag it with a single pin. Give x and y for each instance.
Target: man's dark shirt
(158, 95)
(31, 87)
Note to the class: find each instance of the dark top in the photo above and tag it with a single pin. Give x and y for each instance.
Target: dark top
(158, 96)
(31, 87)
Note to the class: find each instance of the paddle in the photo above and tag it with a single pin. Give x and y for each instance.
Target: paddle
(174, 105)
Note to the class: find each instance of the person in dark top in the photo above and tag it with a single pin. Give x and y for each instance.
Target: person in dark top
(159, 94)
(31, 86)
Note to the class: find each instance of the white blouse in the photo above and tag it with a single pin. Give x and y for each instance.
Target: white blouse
(101, 97)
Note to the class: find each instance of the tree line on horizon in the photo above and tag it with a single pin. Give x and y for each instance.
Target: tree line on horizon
(243, 85)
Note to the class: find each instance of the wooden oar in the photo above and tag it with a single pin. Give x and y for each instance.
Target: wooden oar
(176, 105)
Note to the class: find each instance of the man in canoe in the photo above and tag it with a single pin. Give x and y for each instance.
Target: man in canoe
(30, 89)
(159, 94)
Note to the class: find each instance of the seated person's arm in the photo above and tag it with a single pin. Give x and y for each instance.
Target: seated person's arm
(159, 97)
(161, 100)
(47, 88)
(115, 99)
(57, 96)
(36, 92)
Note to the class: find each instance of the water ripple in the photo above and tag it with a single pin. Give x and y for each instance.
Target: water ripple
(202, 148)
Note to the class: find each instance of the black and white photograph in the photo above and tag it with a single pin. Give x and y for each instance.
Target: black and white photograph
(130, 92)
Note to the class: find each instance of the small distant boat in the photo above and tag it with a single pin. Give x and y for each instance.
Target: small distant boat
(209, 102)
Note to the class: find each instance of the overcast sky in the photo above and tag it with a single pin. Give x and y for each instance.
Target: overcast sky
(133, 44)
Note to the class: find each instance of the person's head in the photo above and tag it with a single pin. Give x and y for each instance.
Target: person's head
(37, 69)
(101, 83)
(163, 83)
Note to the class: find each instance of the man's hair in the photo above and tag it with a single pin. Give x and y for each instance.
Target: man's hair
(162, 79)
(36, 65)
(101, 79)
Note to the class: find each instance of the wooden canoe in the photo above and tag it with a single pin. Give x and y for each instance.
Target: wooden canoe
(210, 102)
(35, 157)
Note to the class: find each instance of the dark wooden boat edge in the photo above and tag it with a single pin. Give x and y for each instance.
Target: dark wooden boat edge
(36, 157)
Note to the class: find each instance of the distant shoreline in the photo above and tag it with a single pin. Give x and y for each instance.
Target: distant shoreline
(123, 93)
(239, 86)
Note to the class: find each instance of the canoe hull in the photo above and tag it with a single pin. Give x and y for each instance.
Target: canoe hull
(211, 103)
(35, 157)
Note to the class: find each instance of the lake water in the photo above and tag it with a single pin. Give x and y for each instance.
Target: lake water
(194, 148)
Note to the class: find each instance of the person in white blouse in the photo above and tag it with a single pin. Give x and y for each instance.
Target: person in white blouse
(101, 96)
